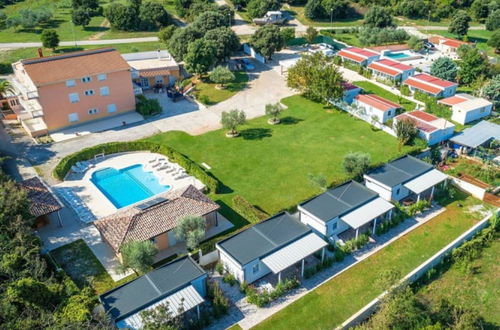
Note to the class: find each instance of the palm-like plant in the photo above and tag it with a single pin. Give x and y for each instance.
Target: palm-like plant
(5, 87)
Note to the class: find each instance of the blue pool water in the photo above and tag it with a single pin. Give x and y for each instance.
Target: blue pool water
(128, 185)
(397, 55)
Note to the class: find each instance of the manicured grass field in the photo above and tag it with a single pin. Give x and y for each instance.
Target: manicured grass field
(480, 37)
(9, 56)
(209, 95)
(336, 300)
(269, 165)
(371, 88)
(298, 12)
(480, 290)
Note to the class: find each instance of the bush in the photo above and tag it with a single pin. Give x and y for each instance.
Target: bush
(243, 287)
(405, 90)
(418, 207)
(60, 171)
(229, 279)
(147, 107)
(247, 210)
(265, 297)
(219, 268)
(220, 303)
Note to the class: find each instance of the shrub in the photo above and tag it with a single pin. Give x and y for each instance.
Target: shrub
(220, 303)
(418, 207)
(229, 279)
(265, 297)
(219, 268)
(243, 287)
(191, 167)
(247, 210)
(405, 90)
(147, 107)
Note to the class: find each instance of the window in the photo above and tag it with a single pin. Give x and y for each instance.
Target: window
(397, 191)
(89, 92)
(111, 107)
(72, 117)
(255, 268)
(389, 113)
(104, 91)
(86, 79)
(101, 77)
(71, 83)
(73, 97)
(334, 225)
(93, 111)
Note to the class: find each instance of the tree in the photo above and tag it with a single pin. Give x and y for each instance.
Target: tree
(50, 39)
(287, 34)
(479, 9)
(166, 33)
(92, 6)
(200, 56)
(80, 17)
(444, 68)
(162, 317)
(258, 8)
(493, 21)
(314, 9)
(415, 43)
(356, 163)
(316, 78)
(406, 131)
(5, 87)
(494, 41)
(274, 110)
(231, 120)
(208, 21)
(122, 17)
(181, 38)
(378, 17)
(138, 256)
(491, 91)
(473, 64)
(221, 75)
(335, 8)
(226, 42)
(29, 292)
(311, 34)
(192, 230)
(153, 15)
(459, 24)
(318, 181)
(3, 20)
(267, 40)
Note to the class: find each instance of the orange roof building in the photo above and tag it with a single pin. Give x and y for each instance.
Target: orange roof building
(58, 91)
(448, 46)
(374, 105)
(431, 128)
(358, 55)
(391, 70)
(431, 85)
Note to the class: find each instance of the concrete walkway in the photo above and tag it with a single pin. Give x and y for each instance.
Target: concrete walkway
(247, 315)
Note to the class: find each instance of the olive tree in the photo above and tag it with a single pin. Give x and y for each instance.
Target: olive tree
(231, 120)
(192, 230)
(221, 75)
(138, 256)
(356, 163)
(406, 131)
(274, 110)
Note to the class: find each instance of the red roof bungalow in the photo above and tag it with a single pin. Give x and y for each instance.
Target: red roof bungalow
(358, 55)
(391, 70)
(448, 46)
(431, 128)
(375, 105)
(431, 85)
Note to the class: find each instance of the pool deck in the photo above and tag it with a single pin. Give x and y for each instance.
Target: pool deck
(96, 201)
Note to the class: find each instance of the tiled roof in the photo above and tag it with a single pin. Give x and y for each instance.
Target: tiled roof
(433, 80)
(136, 224)
(454, 43)
(428, 83)
(52, 69)
(42, 202)
(350, 56)
(362, 52)
(420, 119)
(154, 73)
(389, 67)
(423, 116)
(377, 102)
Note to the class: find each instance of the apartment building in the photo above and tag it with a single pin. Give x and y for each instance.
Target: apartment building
(58, 91)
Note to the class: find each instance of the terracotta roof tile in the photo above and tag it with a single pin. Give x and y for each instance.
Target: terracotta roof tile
(350, 56)
(52, 69)
(134, 224)
(453, 100)
(42, 202)
(434, 80)
(377, 102)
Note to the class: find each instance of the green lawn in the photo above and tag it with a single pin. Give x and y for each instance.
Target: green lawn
(275, 160)
(336, 300)
(208, 94)
(480, 290)
(480, 37)
(61, 22)
(298, 12)
(424, 22)
(9, 56)
(371, 88)
(80, 263)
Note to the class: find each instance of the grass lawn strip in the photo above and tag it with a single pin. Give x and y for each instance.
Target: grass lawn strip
(208, 94)
(336, 300)
(371, 88)
(481, 289)
(275, 161)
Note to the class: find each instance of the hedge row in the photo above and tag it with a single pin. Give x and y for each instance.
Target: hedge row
(247, 210)
(212, 184)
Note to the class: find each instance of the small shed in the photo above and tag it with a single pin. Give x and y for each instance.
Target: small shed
(42, 201)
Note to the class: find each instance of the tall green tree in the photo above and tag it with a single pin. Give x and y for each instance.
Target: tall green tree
(444, 68)
(208, 21)
(162, 318)
(221, 75)
(152, 16)
(166, 33)
(81, 17)
(356, 164)
(138, 256)
(406, 131)
(50, 39)
(314, 9)
(288, 34)
(267, 40)
(200, 56)
(316, 78)
(311, 34)
(459, 24)
(121, 17)
(226, 42)
(258, 8)
(378, 17)
(181, 38)
(494, 41)
(473, 64)
(192, 230)
(491, 91)
(493, 21)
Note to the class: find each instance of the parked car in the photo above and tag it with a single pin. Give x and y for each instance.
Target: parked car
(271, 17)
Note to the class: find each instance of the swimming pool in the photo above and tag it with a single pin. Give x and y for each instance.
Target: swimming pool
(128, 185)
(396, 55)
